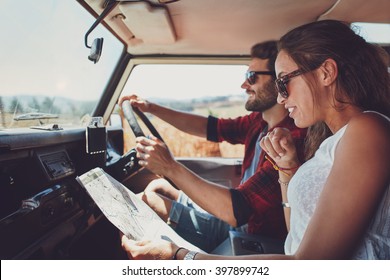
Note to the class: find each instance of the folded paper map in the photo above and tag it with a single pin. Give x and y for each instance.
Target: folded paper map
(126, 211)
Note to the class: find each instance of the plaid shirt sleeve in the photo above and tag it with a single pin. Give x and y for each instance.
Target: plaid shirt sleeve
(258, 201)
(234, 131)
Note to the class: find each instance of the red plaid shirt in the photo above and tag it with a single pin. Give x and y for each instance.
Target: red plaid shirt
(258, 200)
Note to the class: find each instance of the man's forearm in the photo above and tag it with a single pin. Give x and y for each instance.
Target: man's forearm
(190, 123)
(213, 198)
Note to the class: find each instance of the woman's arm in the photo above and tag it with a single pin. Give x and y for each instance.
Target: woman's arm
(352, 192)
(281, 152)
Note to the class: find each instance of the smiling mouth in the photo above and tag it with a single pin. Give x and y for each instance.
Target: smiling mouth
(290, 111)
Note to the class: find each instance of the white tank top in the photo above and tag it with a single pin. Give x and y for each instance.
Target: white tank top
(304, 190)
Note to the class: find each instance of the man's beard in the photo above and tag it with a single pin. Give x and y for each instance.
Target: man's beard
(264, 100)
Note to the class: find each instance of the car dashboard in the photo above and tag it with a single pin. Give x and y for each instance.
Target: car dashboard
(44, 211)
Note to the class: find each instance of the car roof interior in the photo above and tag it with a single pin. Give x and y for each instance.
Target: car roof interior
(186, 27)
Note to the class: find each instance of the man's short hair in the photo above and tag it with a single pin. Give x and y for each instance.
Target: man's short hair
(266, 50)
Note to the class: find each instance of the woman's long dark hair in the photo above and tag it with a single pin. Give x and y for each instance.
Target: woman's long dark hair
(363, 79)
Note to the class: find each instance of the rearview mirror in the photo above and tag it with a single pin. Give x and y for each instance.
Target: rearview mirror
(96, 50)
(97, 45)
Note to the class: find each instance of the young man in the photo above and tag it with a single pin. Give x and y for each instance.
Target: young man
(256, 202)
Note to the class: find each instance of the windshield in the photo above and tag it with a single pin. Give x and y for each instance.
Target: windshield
(47, 77)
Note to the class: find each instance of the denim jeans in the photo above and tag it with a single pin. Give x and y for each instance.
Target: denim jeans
(196, 225)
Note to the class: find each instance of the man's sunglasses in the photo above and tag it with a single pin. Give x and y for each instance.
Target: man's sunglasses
(250, 76)
(281, 83)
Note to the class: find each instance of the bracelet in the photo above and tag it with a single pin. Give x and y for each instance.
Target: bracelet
(190, 256)
(281, 169)
(285, 204)
(177, 251)
(283, 184)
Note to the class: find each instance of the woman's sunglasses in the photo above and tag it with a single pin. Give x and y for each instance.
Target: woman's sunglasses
(281, 83)
(250, 76)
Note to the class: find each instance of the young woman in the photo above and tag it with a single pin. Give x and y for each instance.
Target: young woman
(338, 202)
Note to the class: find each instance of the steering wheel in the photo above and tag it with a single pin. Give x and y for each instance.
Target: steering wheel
(128, 112)
(128, 165)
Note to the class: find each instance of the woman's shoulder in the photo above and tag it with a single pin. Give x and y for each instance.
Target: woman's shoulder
(375, 115)
(370, 119)
(369, 125)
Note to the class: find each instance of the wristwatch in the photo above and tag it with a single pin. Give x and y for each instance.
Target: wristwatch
(190, 256)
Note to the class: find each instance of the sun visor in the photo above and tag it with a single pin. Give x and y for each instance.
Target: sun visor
(148, 23)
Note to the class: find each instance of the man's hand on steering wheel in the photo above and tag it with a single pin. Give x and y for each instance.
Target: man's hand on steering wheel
(162, 154)
(128, 112)
(135, 101)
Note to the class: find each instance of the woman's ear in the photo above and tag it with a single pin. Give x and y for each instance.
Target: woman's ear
(329, 72)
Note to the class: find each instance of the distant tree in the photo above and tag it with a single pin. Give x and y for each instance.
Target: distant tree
(183, 106)
(2, 112)
(73, 108)
(55, 110)
(35, 104)
(15, 107)
(47, 104)
(86, 108)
